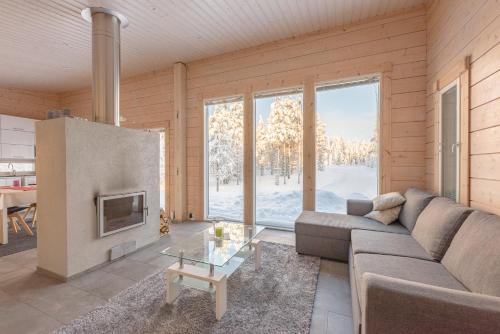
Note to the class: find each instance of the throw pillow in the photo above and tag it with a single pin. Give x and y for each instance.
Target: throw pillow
(386, 217)
(437, 225)
(387, 201)
(416, 201)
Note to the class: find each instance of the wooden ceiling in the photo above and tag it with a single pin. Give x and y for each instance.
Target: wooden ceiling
(45, 44)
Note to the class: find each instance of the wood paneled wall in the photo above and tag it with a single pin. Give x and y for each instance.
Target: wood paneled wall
(26, 103)
(456, 29)
(394, 46)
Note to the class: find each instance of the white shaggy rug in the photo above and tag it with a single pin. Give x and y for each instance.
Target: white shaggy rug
(278, 298)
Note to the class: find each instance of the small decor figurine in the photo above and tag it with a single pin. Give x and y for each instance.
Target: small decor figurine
(164, 222)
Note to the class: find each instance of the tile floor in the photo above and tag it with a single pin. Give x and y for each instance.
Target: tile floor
(33, 303)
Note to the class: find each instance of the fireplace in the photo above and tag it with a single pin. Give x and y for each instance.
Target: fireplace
(120, 212)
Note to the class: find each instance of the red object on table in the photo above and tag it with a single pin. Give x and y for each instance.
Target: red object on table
(26, 188)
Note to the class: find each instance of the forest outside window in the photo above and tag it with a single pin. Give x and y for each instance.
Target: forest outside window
(224, 159)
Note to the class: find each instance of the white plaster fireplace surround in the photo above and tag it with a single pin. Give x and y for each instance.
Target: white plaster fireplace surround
(77, 160)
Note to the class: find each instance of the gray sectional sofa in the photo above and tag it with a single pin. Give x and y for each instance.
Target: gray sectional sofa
(436, 270)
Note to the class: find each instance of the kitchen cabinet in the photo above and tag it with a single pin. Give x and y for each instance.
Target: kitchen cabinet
(14, 152)
(17, 123)
(17, 138)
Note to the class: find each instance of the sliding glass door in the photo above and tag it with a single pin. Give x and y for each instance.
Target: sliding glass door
(224, 160)
(346, 143)
(278, 158)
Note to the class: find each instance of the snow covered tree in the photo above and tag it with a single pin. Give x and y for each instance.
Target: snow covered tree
(285, 134)
(322, 148)
(225, 140)
(262, 156)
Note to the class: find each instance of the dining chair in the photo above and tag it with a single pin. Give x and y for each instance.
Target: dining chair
(32, 207)
(15, 218)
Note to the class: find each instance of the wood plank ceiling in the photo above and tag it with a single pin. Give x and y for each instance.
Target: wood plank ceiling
(45, 44)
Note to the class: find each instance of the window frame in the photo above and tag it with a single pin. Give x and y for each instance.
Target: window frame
(300, 89)
(206, 179)
(442, 91)
(379, 121)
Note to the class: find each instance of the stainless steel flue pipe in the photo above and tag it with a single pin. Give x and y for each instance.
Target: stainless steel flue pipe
(106, 25)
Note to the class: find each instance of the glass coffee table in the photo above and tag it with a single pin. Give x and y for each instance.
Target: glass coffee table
(215, 251)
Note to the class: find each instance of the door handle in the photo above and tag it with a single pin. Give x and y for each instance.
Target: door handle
(454, 146)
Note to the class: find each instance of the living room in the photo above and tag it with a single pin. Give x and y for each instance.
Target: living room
(217, 166)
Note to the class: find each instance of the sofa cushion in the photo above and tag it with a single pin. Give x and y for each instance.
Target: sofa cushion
(387, 201)
(416, 201)
(359, 207)
(416, 270)
(474, 254)
(437, 225)
(339, 226)
(372, 242)
(386, 217)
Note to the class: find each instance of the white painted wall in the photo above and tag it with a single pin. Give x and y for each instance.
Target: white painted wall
(76, 161)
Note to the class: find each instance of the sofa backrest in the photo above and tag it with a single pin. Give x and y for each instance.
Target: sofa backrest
(416, 201)
(437, 225)
(473, 257)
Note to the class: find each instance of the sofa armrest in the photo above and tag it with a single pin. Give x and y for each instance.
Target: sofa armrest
(393, 306)
(359, 207)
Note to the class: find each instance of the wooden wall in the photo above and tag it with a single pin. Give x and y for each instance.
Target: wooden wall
(25, 103)
(395, 46)
(456, 29)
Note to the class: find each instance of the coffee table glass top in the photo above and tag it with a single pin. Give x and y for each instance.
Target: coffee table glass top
(205, 247)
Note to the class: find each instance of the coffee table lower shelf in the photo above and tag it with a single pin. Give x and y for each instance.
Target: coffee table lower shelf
(217, 279)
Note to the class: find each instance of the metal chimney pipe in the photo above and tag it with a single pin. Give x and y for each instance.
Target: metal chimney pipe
(106, 25)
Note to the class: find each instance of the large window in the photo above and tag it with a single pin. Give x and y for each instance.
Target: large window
(346, 143)
(224, 159)
(278, 159)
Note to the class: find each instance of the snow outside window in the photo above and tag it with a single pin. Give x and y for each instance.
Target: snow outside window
(346, 144)
(278, 159)
(224, 160)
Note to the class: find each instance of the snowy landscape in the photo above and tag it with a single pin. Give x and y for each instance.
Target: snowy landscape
(281, 205)
(346, 168)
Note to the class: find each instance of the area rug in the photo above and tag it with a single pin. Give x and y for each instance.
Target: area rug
(277, 298)
(19, 242)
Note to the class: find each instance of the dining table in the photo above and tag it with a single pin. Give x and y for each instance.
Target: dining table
(11, 196)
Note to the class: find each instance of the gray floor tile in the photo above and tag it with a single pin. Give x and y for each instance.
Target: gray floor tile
(27, 258)
(319, 321)
(339, 324)
(145, 255)
(7, 267)
(130, 269)
(332, 305)
(282, 237)
(64, 302)
(163, 261)
(102, 284)
(22, 284)
(20, 318)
